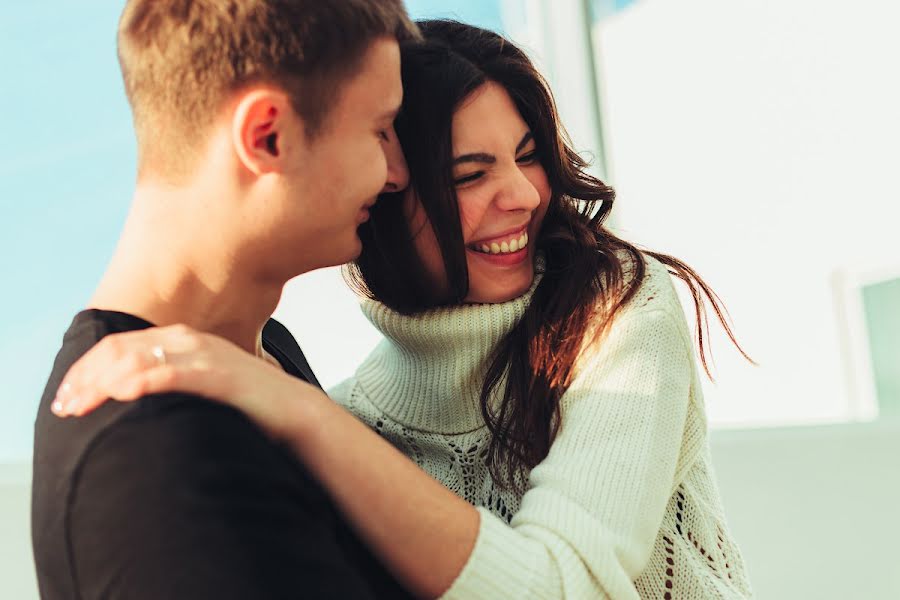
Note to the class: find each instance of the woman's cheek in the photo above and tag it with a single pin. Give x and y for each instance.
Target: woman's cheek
(471, 214)
(538, 178)
(542, 185)
(475, 205)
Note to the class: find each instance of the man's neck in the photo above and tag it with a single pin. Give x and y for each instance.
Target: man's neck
(167, 270)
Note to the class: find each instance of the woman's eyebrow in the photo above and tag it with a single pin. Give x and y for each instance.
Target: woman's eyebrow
(525, 139)
(482, 157)
(477, 157)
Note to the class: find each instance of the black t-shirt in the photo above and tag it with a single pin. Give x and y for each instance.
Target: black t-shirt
(174, 496)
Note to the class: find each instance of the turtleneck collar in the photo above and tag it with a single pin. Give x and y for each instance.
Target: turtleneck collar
(428, 371)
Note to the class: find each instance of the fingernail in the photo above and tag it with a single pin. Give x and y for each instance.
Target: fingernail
(65, 407)
(57, 407)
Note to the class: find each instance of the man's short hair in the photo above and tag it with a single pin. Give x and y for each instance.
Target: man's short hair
(182, 59)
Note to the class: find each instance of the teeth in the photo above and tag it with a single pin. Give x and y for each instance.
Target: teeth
(506, 247)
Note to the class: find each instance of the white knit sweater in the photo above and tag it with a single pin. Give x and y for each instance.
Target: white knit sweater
(624, 506)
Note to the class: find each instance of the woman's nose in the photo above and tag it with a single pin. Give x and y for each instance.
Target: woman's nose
(517, 193)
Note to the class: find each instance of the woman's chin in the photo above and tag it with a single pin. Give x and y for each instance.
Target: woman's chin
(483, 290)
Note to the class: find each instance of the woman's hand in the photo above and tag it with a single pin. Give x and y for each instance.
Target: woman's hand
(127, 366)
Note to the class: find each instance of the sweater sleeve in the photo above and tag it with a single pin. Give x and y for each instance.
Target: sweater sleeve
(588, 522)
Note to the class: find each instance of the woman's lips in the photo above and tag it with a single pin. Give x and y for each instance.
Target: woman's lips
(507, 259)
(506, 244)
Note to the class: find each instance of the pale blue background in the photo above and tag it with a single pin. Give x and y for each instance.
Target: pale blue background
(66, 172)
(66, 169)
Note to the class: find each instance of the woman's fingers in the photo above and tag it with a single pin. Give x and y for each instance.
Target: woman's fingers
(127, 366)
(127, 385)
(132, 365)
(100, 378)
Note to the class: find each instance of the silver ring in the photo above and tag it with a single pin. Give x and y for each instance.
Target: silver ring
(159, 354)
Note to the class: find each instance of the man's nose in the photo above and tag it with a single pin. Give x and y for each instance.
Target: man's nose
(397, 171)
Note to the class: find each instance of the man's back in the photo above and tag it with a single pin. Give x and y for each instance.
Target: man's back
(177, 497)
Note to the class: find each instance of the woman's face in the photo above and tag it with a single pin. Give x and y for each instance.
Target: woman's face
(503, 194)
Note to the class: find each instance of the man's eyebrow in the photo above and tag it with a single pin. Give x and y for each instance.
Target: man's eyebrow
(481, 157)
(390, 114)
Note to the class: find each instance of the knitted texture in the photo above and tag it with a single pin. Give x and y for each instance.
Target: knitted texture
(625, 505)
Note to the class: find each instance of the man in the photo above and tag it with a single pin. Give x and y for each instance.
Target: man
(264, 131)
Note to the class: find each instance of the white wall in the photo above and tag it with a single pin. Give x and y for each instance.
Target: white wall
(757, 139)
(815, 509)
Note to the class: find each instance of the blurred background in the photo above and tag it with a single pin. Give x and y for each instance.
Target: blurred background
(755, 139)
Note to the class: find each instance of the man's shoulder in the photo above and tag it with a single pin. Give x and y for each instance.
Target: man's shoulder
(61, 444)
(183, 435)
(62, 441)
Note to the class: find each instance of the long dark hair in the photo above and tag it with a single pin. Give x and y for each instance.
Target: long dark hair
(590, 274)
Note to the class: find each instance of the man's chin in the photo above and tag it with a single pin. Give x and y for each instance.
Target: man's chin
(353, 249)
(337, 253)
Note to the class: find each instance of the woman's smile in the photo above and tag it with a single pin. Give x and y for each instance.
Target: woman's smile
(505, 243)
(505, 250)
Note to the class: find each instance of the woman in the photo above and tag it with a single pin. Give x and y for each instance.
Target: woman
(536, 382)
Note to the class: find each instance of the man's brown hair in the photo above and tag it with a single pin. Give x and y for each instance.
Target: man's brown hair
(182, 59)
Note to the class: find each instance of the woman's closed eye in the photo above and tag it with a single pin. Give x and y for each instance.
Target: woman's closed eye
(528, 158)
(468, 178)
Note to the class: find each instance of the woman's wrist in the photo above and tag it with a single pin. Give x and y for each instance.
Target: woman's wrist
(298, 413)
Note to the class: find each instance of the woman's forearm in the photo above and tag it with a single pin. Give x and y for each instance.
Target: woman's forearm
(422, 531)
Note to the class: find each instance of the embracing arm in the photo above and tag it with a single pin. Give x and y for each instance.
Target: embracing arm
(588, 523)
(423, 531)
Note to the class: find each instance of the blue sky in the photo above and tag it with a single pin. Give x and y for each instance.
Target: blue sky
(66, 168)
(66, 173)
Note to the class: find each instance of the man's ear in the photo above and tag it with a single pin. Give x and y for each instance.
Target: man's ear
(262, 121)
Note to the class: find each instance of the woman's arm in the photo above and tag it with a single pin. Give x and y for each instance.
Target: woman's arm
(588, 523)
(421, 530)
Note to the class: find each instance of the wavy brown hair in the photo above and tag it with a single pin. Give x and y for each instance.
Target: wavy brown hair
(590, 273)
